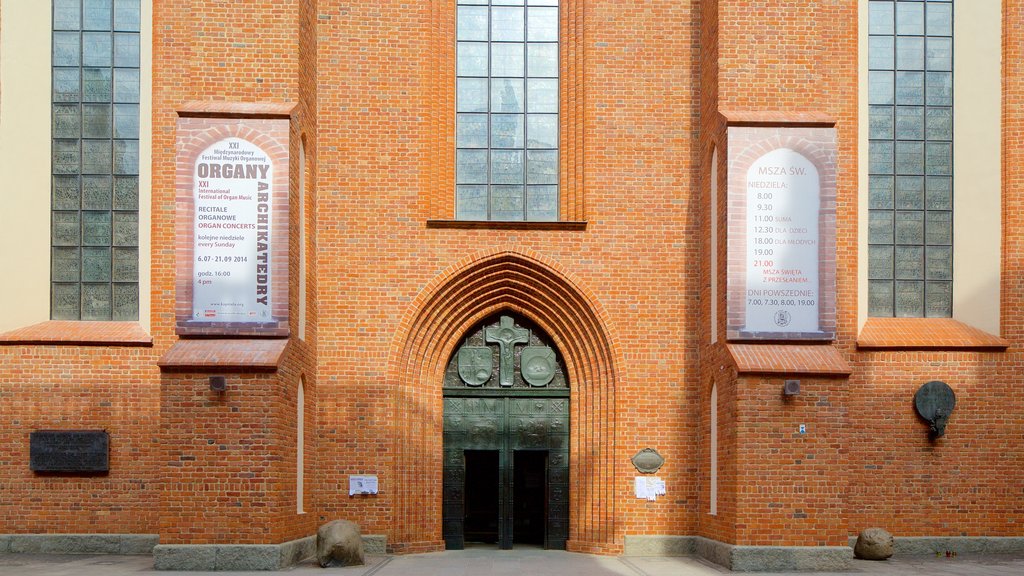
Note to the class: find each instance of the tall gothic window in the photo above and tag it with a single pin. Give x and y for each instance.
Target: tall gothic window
(95, 163)
(911, 158)
(507, 100)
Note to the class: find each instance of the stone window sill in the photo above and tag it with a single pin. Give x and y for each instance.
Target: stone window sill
(498, 225)
(224, 355)
(822, 360)
(79, 333)
(925, 334)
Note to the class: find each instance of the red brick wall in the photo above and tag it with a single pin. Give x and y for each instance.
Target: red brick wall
(966, 483)
(791, 486)
(866, 459)
(627, 300)
(780, 60)
(252, 53)
(378, 140)
(79, 387)
(969, 481)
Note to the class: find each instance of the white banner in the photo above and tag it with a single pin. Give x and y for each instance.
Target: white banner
(232, 191)
(783, 203)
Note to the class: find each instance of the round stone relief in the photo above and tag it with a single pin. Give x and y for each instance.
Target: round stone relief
(537, 365)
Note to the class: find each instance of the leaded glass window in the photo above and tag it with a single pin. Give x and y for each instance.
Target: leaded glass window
(910, 219)
(506, 120)
(95, 165)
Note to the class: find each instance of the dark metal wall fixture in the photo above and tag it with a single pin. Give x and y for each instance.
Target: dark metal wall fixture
(935, 402)
(69, 451)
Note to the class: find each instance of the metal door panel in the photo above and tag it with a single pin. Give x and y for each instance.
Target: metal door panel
(506, 424)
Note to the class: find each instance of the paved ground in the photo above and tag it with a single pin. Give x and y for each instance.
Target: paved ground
(507, 563)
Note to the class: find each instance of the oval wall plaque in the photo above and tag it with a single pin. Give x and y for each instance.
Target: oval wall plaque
(935, 402)
(537, 365)
(648, 461)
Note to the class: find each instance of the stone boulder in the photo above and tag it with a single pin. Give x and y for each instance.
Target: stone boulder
(873, 544)
(339, 543)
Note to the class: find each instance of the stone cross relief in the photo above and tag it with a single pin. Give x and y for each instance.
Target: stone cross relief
(506, 336)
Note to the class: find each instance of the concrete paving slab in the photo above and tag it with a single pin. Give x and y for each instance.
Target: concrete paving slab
(520, 562)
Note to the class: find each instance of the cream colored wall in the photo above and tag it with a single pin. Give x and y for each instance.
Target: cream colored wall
(25, 163)
(862, 164)
(977, 97)
(145, 162)
(977, 162)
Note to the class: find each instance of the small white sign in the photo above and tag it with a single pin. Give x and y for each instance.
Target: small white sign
(362, 485)
(649, 487)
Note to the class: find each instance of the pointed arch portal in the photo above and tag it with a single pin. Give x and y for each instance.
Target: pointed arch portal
(540, 293)
(506, 438)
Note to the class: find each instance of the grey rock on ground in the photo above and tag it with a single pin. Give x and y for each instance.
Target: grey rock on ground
(873, 544)
(339, 543)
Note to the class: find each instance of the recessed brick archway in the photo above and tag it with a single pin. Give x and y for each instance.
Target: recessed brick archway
(528, 284)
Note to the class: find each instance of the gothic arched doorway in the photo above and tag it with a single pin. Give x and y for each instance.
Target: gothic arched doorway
(506, 438)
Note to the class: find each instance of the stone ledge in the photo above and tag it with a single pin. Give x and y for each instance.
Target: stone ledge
(775, 558)
(787, 558)
(925, 334)
(743, 558)
(660, 546)
(803, 359)
(224, 355)
(508, 225)
(929, 545)
(375, 544)
(131, 544)
(221, 557)
(224, 109)
(79, 333)
(769, 118)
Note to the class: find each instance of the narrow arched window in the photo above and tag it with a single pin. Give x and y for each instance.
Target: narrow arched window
(300, 447)
(302, 239)
(714, 244)
(713, 497)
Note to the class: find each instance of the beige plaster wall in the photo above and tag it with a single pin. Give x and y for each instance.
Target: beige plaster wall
(145, 162)
(25, 163)
(977, 97)
(977, 162)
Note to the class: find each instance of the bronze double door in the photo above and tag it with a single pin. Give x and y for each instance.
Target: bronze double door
(506, 469)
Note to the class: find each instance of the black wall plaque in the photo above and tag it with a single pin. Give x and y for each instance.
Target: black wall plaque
(935, 402)
(69, 451)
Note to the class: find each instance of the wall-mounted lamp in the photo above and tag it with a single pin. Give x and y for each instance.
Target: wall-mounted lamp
(218, 384)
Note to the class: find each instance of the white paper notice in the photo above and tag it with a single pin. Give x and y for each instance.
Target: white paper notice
(640, 485)
(231, 277)
(783, 201)
(648, 487)
(362, 485)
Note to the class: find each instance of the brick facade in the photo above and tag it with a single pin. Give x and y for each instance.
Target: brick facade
(621, 285)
